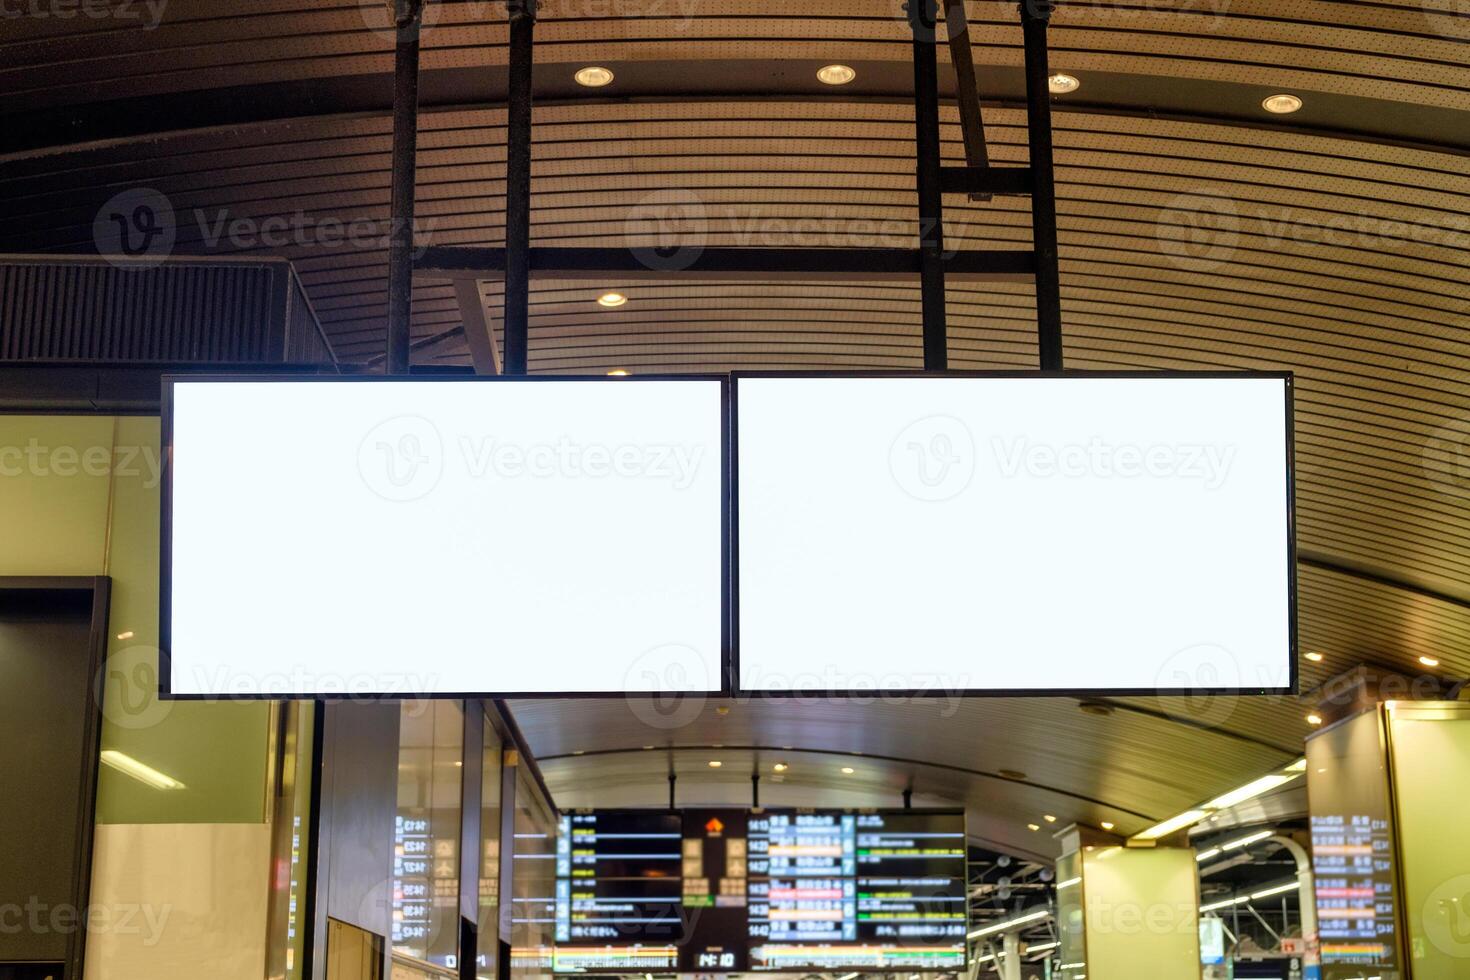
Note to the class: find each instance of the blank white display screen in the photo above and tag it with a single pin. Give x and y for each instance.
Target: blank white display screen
(947, 534)
(419, 537)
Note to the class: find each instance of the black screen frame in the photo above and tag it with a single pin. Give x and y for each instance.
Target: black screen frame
(738, 691)
(165, 592)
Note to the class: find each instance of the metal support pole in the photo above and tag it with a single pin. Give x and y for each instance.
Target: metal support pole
(755, 790)
(908, 799)
(673, 779)
(518, 185)
(407, 18)
(1034, 17)
(923, 18)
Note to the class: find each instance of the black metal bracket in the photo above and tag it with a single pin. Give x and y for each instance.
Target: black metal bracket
(518, 262)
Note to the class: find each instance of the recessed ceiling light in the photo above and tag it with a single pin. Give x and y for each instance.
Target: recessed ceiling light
(848, 770)
(1314, 719)
(125, 635)
(1281, 104)
(715, 763)
(647, 747)
(1107, 825)
(1033, 826)
(594, 76)
(780, 767)
(1049, 818)
(1314, 657)
(1061, 84)
(835, 74)
(1429, 661)
(611, 299)
(617, 373)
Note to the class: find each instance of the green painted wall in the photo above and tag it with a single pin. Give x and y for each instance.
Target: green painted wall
(79, 495)
(1431, 770)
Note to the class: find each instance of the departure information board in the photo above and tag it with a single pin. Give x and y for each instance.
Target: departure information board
(708, 891)
(1352, 850)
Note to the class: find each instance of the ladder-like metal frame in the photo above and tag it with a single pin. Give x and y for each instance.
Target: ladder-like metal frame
(518, 262)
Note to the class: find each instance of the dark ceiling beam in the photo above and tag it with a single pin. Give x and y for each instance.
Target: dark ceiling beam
(966, 91)
(898, 759)
(439, 262)
(39, 131)
(1313, 559)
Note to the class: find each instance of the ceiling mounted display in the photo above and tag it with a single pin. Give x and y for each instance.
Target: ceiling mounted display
(943, 534)
(403, 537)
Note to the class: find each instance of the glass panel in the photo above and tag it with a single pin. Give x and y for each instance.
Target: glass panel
(534, 881)
(426, 833)
(490, 772)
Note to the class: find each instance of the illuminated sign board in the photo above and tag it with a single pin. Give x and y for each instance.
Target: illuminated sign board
(761, 890)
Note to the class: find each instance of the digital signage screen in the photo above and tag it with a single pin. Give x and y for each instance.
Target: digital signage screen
(1354, 865)
(1003, 534)
(412, 537)
(768, 890)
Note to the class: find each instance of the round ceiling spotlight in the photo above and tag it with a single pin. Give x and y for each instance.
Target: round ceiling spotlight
(594, 76)
(1281, 104)
(848, 770)
(611, 299)
(1060, 84)
(619, 373)
(836, 74)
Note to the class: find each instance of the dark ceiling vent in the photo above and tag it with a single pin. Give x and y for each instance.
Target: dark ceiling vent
(206, 311)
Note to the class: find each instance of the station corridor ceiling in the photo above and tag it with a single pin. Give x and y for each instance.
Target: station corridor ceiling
(1197, 231)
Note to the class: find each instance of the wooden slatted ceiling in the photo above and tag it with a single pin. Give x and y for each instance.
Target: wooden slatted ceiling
(1183, 245)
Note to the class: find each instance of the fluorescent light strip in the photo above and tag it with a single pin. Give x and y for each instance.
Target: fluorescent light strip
(1069, 883)
(1204, 856)
(1010, 923)
(1041, 948)
(1248, 839)
(1280, 889)
(1185, 819)
(1250, 790)
(129, 766)
(1225, 801)
(1224, 905)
